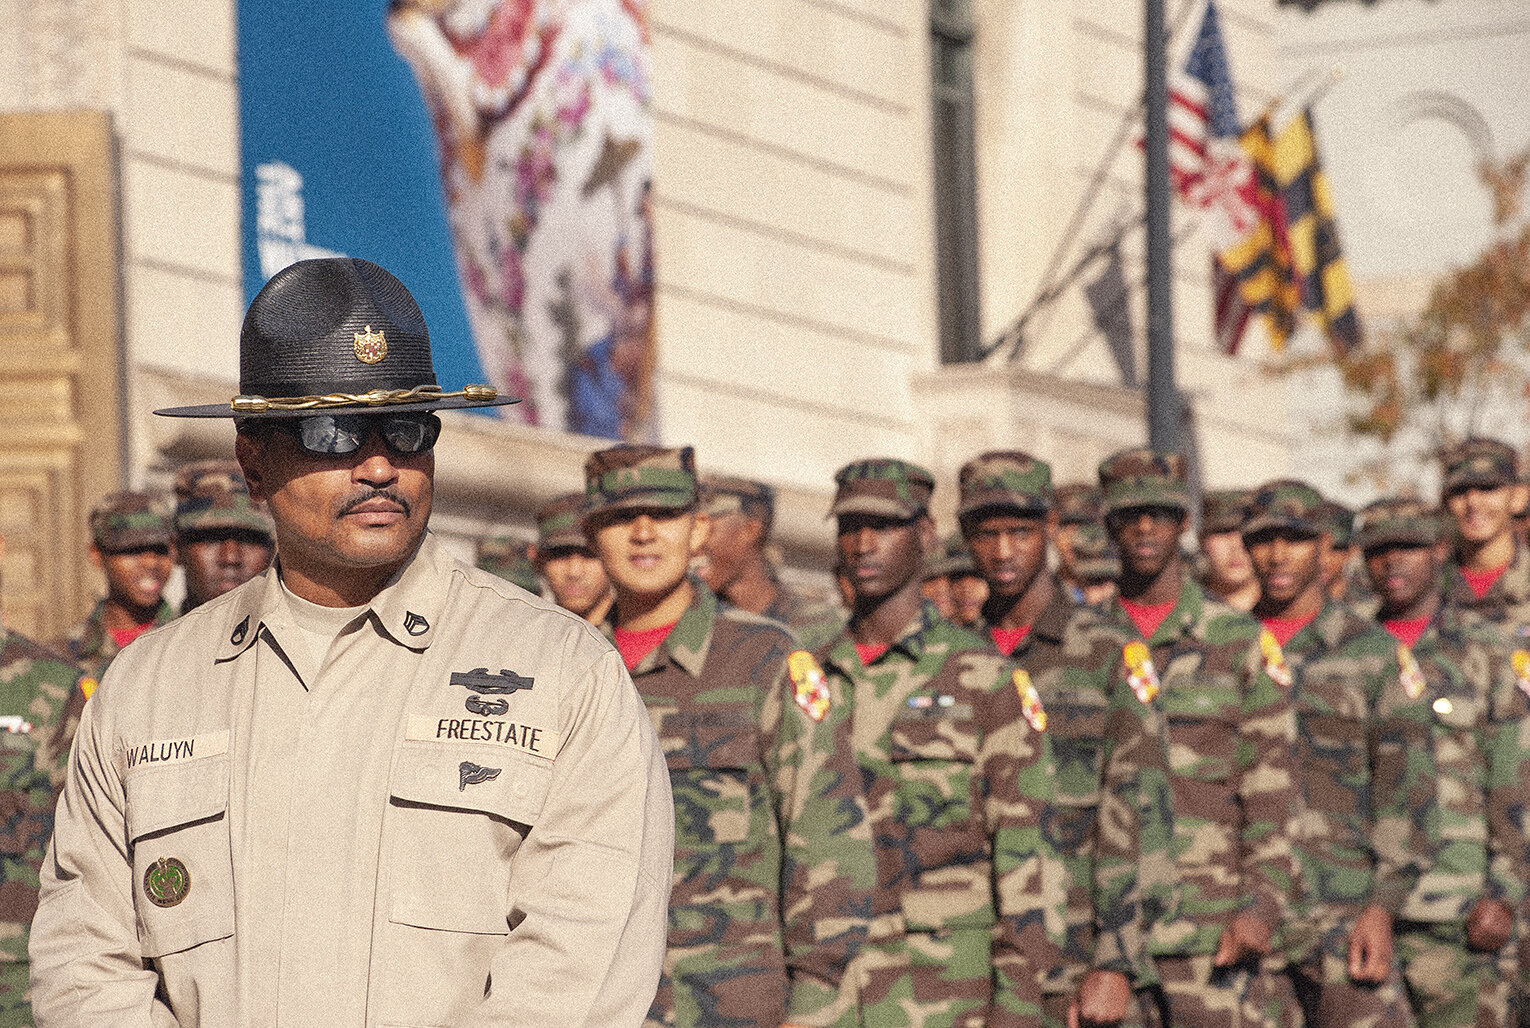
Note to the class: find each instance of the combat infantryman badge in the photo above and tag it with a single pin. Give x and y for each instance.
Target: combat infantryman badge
(1412, 675)
(1522, 670)
(469, 773)
(166, 882)
(1030, 700)
(1274, 659)
(479, 680)
(370, 346)
(1141, 675)
(810, 687)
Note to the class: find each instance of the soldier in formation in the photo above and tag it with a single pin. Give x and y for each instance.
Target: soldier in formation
(222, 538)
(568, 564)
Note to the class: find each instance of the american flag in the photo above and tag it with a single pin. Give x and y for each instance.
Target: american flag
(1210, 170)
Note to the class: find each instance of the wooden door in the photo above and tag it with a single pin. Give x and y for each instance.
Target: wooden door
(60, 359)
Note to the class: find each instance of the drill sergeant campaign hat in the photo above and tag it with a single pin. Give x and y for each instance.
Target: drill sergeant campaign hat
(1094, 556)
(1288, 505)
(132, 521)
(559, 524)
(212, 495)
(1339, 522)
(1479, 463)
(1398, 521)
(1223, 510)
(633, 477)
(336, 335)
(1077, 503)
(1144, 478)
(882, 486)
(1005, 480)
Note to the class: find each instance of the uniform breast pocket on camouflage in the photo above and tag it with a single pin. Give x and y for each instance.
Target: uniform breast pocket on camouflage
(1077, 730)
(714, 770)
(1202, 714)
(1335, 759)
(183, 868)
(456, 817)
(933, 756)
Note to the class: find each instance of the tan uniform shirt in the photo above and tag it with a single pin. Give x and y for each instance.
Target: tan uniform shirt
(464, 818)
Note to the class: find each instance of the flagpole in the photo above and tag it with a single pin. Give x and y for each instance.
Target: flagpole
(1162, 394)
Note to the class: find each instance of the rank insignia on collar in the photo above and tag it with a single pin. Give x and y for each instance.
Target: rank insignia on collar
(370, 347)
(1141, 675)
(479, 680)
(487, 708)
(1410, 674)
(1521, 660)
(414, 624)
(241, 630)
(469, 773)
(166, 882)
(810, 686)
(1274, 659)
(1030, 700)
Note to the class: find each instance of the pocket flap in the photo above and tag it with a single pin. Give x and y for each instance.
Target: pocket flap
(159, 798)
(931, 736)
(488, 780)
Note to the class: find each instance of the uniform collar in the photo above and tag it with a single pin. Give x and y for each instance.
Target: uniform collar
(406, 609)
(690, 640)
(1184, 617)
(910, 641)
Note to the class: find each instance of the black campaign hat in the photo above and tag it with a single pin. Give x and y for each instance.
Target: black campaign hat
(336, 335)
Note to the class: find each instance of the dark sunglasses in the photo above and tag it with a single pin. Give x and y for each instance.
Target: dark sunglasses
(340, 434)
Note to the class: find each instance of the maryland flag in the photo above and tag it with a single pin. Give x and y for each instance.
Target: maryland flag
(1292, 261)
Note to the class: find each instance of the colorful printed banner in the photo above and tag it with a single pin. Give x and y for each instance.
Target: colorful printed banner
(495, 155)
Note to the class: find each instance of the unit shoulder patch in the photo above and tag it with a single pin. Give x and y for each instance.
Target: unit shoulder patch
(1141, 675)
(810, 686)
(1274, 659)
(1411, 675)
(1030, 700)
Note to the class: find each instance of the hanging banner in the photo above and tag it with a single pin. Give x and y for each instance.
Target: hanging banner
(495, 155)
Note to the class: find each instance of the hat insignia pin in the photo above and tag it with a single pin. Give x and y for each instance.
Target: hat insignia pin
(370, 346)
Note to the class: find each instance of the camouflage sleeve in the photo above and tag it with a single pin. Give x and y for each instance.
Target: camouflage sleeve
(1402, 788)
(1267, 793)
(1136, 883)
(828, 867)
(1506, 742)
(1030, 882)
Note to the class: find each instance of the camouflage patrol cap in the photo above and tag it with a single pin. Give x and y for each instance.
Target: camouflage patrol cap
(1077, 503)
(1285, 504)
(722, 494)
(1339, 522)
(211, 494)
(1481, 463)
(953, 559)
(1094, 557)
(883, 486)
(1396, 521)
(509, 559)
(132, 521)
(1144, 478)
(1005, 479)
(1223, 510)
(636, 477)
(559, 523)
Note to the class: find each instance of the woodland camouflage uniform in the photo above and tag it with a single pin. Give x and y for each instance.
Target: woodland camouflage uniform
(1230, 732)
(1111, 819)
(958, 773)
(1468, 691)
(773, 862)
(41, 697)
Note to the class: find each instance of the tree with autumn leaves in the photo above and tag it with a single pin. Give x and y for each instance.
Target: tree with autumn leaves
(1448, 372)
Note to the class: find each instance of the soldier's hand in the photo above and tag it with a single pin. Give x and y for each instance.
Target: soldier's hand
(1370, 946)
(1104, 997)
(1488, 926)
(1244, 937)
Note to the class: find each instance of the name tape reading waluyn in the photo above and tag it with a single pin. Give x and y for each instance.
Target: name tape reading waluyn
(530, 739)
(175, 751)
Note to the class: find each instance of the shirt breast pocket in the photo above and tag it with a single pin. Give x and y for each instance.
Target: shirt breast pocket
(710, 771)
(183, 867)
(458, 816)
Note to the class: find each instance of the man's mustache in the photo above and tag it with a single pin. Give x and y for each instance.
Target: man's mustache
(375, 494)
